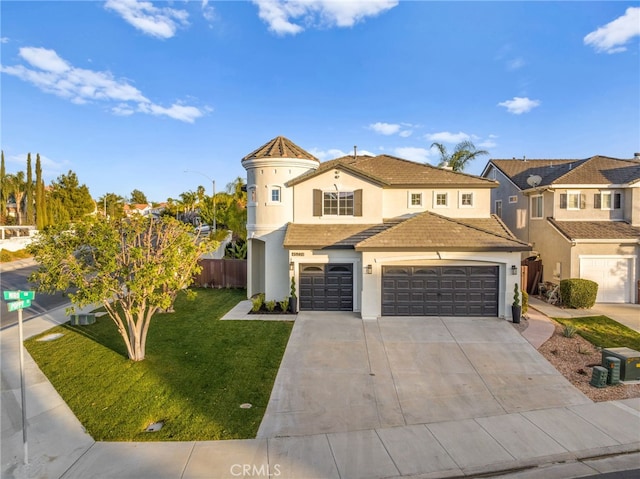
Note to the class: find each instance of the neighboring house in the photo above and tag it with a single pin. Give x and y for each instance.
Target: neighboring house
(378, 235)
(581, 216)
(138, 209)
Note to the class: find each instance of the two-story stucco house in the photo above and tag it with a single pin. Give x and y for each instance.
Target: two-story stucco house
(581, 216)
(377, 235)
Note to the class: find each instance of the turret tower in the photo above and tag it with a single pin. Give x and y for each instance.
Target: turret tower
(269, 209)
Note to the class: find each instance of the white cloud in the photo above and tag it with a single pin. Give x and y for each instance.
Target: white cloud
(515, 64)
(329, 154)
(384, 128)
(406, 133)
(4, 40)
(519, 105)
(52, 74)
(207, 11)
(157, 22)
(612, 37)
(421, 155)
(280, 14)
(489, 143)
(50, 168)
(447, 137)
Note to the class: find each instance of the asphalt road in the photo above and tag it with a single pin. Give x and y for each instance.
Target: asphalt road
(17, 280)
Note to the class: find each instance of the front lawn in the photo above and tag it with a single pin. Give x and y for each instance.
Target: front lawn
(197, 372)
(604, 332)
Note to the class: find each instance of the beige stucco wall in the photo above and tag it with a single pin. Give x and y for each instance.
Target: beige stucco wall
(396, 202)
(372, 283)
(303, 198)
(632, 205)
(554, 249)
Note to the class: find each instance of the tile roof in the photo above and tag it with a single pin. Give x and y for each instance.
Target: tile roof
(605, 230)
(388, 170)
(600, 170)
(279, 147)
(424, 231)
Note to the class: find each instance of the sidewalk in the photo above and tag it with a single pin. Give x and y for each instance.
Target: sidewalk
(565, 441)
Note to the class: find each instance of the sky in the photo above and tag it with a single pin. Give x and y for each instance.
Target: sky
(166, 96)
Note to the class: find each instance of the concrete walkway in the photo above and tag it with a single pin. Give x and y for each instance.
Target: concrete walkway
(565, 441)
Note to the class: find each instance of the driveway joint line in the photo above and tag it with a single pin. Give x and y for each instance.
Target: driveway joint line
(333, 455)
(387, 451)
(393, 379)
(186, 464)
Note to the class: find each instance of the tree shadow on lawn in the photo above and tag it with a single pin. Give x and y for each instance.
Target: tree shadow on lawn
(197, 373)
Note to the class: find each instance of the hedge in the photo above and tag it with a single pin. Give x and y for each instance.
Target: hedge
(578, 293)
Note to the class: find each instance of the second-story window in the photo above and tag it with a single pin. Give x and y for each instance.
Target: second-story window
(338, 203)
(440, 200)
(536, 207)
(275, 194)
(415, 200)
(466, 200)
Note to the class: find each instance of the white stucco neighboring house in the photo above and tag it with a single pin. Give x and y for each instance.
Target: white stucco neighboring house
(581, 216)
(380, 236)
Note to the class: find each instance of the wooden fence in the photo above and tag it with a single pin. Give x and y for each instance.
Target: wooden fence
(222, 273)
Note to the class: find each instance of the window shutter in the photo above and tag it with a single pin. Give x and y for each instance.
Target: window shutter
(617, 200)
(357, 203)
(596, 201)
(583, 201)
(563, 201)
(317, 202)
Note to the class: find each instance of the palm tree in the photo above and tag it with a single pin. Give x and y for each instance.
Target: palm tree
(464, 152)
(17, 189)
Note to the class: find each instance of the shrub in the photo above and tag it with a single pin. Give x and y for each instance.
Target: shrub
(569, 331)
(257, 301)
(270, 305)
(525, 302)
(284, 304)
(578, 293)
(516, 295)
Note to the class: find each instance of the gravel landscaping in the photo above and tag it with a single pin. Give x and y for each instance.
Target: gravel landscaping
(574, 358)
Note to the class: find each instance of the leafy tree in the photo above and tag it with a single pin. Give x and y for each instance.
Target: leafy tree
(138, 198)
(463, 153)
(29, 194)
(70, 199)
(111, 205)
(133, 266)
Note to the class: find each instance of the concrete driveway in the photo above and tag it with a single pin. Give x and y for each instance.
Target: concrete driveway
(340, 373)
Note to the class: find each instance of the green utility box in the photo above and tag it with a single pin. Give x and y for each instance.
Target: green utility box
(82, 319)
(613, 367)
(629, 362)
(599, 377)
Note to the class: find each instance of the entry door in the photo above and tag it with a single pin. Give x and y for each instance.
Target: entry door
(326, 287)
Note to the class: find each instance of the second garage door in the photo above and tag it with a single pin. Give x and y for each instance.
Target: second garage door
(440, 291)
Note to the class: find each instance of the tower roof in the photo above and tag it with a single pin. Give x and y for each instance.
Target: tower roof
(279, 147)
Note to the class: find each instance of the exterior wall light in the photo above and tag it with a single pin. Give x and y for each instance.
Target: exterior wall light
(291, 265)
(514, 270)
(368, 269)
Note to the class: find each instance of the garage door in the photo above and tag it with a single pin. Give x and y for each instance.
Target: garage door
(440, 291)
(326, 287)
(612, 276)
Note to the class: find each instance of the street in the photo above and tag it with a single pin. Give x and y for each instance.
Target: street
(17, 280)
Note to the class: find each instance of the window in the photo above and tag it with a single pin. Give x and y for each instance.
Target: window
(573, 200)
(617, 200)
(415, 200)
(498, 208)
(605, 201)
(536, 207)
(338, 203)
(440, 200)
(513, 199)
(275, 194)
(252, 194)
(466, 200)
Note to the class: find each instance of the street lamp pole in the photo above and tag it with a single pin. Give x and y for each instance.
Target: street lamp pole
(213, 183)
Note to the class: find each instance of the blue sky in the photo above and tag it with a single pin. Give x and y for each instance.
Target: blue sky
(129, 94)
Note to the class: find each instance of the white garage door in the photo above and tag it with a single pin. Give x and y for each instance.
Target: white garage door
(612, 275)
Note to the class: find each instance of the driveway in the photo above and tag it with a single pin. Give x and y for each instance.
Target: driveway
(340, 373)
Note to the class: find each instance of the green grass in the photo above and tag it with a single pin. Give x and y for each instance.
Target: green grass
(604, 332)
(197, 372)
